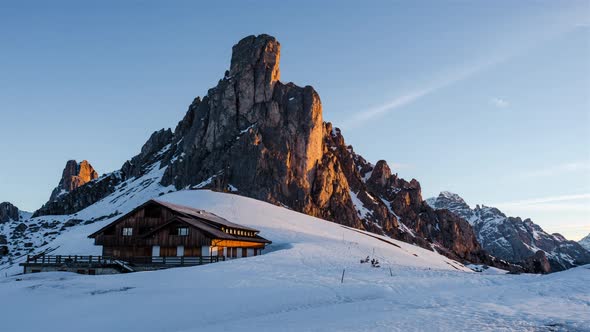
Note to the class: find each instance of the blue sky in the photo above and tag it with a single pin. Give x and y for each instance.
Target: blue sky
(490, 100)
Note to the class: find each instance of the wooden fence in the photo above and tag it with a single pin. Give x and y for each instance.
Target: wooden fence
(49, 260)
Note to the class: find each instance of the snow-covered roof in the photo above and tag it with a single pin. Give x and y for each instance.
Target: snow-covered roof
(201, 219)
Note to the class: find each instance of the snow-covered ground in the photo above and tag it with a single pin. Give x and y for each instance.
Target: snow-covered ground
(295, 286)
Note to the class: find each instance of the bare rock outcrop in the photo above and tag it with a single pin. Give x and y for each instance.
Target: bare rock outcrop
(8, 212)
(537, 263)
(73, 176)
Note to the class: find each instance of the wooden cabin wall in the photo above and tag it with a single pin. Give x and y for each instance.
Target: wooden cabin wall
(113, 236)
(167, 237)
(143, 222)
(126, 252)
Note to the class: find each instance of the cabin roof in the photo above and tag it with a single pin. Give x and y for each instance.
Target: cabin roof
(202, 214)
(210, 230)
(207, 221)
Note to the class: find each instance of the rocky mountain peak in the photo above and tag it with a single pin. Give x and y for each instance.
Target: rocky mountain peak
(260, 54)
(8, 212)
(514, 239)
(447, 195)
(453, 202)
(585, 242)
(73, 176)
(254, 135)
(381, 174)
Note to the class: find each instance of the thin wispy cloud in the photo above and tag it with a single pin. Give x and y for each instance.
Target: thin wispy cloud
(575, 202)
(462, 73)
(561, 169)
(499, 102)
(410, 97)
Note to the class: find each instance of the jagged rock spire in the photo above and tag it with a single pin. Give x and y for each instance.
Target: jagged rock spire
(73, 176)
(257, 56)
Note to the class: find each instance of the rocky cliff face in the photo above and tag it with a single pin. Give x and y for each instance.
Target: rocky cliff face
(513, 239)
(73, 176)
(8, 212)
(259, 137)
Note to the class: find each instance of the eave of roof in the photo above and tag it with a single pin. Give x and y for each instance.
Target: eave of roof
(120, 218)
(218, 234)
(202, 214)
(187, 212)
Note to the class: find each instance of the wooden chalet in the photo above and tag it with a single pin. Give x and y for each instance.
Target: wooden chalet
(157, 235)
(162, 229)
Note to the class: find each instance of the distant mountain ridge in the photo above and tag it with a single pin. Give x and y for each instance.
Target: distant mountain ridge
(585, 242)
(512, 238)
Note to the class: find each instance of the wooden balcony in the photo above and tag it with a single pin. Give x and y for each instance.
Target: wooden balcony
(125, 263)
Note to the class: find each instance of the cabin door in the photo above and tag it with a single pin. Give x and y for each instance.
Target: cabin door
(180, 251)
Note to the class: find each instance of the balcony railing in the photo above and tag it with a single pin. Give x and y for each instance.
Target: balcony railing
(76, 260)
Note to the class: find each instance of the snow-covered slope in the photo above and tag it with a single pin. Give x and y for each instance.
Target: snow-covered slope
(286, 228)
(64, 233)
(511, 238)
(585, 242)
(295, 286)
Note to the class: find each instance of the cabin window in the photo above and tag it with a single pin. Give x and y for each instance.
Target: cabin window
(182, 231)
(127, 231)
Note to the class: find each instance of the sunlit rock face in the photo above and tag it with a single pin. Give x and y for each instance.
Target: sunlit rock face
(74, 176)
(259, 137)
(77, 189)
